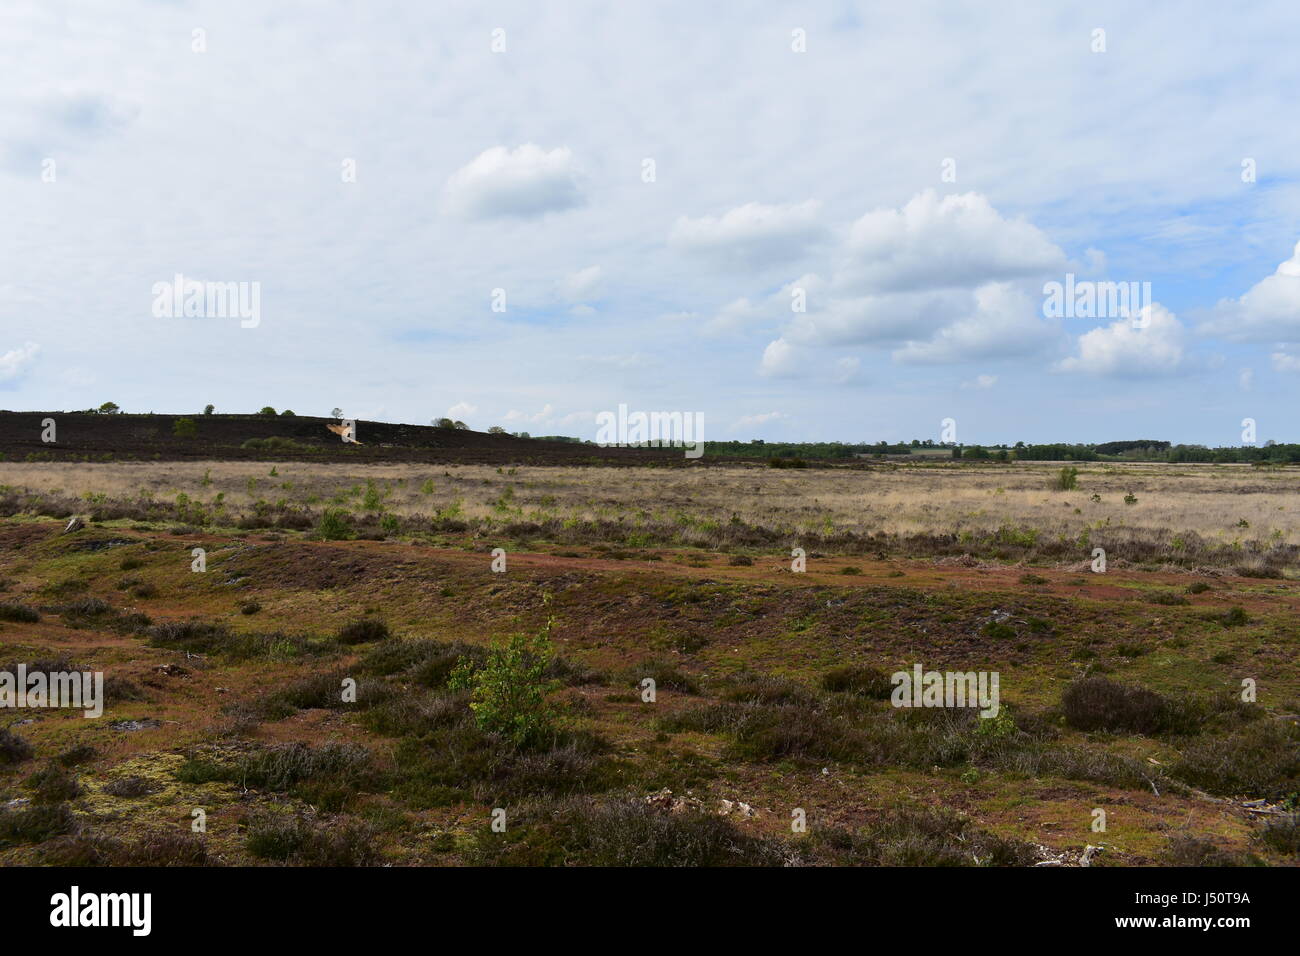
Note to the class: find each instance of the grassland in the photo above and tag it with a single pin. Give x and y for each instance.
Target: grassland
(1120, 691)
(1225, 516)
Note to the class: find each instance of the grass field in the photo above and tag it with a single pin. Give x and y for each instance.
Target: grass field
(1229, 516)
(520, 695)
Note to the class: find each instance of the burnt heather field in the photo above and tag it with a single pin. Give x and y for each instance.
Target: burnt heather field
(340, 676)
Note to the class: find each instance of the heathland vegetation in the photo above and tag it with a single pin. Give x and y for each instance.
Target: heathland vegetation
(451, 663)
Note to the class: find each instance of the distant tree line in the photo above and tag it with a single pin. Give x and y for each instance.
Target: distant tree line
(1138, 450)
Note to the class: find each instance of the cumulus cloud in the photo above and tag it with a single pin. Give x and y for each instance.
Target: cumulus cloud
(934, 242)
(981, 381)
(16, 362)
(942, 280)
(1268, 312)
(461, 410)
(1150, 346)
(525, 182)
(752, 235)
(780, 360)
(876, 319)
(1001, 324)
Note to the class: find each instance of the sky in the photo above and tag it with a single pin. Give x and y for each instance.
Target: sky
(817, 221)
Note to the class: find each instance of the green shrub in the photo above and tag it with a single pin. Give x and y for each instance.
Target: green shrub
(331, 773)
(1067, 479)
(78, 754)
(1095, 703)
(919, 838)
(631, 833)
(53, 784)
(869, 682)
(36, 823)
(129, 787)
(1167, 598)
(334, 525)
(1260, 761)
(13, 749)
(509, 690)
(208, 637)
(1235, 617)
(18, 613)
(1187, 850)
(1283, 834)
(363, 631)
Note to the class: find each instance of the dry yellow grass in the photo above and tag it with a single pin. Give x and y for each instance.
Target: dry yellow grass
(1209, 500)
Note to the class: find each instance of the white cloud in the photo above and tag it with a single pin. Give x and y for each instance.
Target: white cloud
(580, 286)
(1002, 324)
(780, 360)
(1150, 346)
(525, 182)
(933, 242)
(752, 235)
(877, 318)
(944, 280)
(543, 417)
(1246, 379)
(768, 131)
(461, 410)
(578, 418)
(1268, 312)
(17, 361)
(762, 418)
(734, 317)
(1285, 362)
(981, 381)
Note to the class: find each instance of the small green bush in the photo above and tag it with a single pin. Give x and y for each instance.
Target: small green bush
(363, 631)
(13, 749)
(1067, 479)
(509, 690)
(334, 525)
(36, 823)
(859, 679)
(18, 613)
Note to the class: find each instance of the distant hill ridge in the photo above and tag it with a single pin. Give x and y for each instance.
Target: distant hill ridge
(126, 436)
